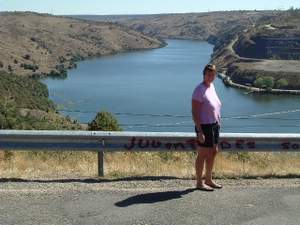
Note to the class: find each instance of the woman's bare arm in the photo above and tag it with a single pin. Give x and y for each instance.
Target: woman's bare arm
(196, 106)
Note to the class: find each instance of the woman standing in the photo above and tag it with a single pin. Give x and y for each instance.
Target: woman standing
(206, 108)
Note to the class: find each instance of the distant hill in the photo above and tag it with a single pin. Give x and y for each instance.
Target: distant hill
(35, 44)
(198, 26)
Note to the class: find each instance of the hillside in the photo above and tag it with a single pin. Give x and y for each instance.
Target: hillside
(24, 104)
(196, 26)
(270, 50)
(40, 44)
(275, 39)
(34, 45)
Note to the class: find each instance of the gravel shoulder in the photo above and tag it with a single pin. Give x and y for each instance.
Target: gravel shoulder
(131, 184)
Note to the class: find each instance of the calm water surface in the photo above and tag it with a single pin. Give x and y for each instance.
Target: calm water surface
(151, 91)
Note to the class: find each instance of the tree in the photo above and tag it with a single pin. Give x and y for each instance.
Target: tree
(258, 82)
(281, 83)
(267, 82)
(104, 121)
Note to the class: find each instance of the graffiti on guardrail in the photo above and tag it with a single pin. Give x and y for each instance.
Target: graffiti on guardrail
(156, 144)
(289, 145)
(239, 144)
(244, 144)
(142, 141)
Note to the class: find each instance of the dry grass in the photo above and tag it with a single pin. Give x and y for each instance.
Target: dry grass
(120, 164)
(50, 44)
(258, 164)
(47, 164)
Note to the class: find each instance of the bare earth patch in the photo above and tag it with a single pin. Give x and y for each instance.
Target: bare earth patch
(289, 66)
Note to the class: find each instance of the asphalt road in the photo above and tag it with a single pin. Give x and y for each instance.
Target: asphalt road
(148, 201)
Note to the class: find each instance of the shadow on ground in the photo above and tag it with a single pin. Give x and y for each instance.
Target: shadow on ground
(150, 198)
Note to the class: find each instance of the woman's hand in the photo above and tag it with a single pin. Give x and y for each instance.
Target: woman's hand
(201, 137)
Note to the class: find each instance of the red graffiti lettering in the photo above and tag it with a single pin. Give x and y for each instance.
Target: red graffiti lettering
(155, 144)
(239, 144)
(192, 143)
(251, 144)
(285, 145)
(288, 145)
(132, 144)
(141, 145)
(181, 145)
(225, 145)
(168, 145)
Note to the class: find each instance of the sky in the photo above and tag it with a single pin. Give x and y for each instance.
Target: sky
(112, 7)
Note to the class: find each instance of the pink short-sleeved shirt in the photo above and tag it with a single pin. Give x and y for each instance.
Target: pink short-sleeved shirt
(210, 103)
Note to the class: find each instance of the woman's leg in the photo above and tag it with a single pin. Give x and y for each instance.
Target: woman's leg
(211, 157)
(199, 165)
(209, 163)
(209, 167)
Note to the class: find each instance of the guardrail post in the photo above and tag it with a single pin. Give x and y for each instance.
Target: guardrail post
(101, 161)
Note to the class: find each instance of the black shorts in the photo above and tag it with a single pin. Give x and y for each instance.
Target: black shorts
(211, 133)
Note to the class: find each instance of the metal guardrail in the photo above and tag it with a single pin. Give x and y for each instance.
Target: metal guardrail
(100, 141)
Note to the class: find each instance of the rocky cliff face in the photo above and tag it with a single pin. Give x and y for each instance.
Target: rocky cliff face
(278, 38)
(268, 50)
(269, 47)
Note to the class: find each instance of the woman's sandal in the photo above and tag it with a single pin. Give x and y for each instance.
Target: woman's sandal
(214, 185)
(204, 188)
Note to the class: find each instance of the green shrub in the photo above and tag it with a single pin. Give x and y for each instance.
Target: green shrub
(104, 121)
(264, 82)
(281, 83)
(269, 82)
(29, 67)
(258, 82)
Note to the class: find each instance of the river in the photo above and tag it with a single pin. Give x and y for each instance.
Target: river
(151, 91)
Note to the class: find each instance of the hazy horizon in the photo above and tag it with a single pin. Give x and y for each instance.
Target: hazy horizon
(145, 14)
(134, 7)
